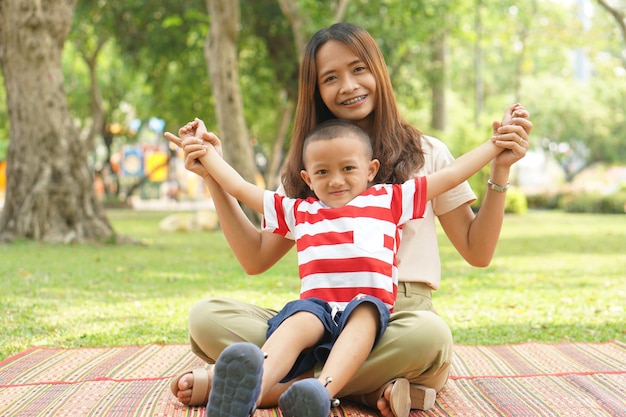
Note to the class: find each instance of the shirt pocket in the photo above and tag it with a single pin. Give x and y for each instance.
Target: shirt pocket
(369, 235)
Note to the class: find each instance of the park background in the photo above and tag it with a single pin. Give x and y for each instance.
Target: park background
(112, 271)
(130, 70)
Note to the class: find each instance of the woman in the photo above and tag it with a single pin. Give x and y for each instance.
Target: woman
(343, 75)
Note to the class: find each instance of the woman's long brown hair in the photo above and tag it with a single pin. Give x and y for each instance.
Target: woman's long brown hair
(395, 142)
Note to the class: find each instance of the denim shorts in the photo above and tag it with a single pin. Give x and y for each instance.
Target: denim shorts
(333, 325)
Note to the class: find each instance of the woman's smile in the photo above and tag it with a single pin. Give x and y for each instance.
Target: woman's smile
(355, 100)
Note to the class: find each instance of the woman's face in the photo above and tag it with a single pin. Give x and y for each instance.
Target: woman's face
(346, 84)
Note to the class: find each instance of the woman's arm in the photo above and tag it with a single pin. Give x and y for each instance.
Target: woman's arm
(475, 236)
(229, 179)
(255, 250)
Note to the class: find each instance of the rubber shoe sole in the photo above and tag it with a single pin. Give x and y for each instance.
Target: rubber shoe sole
(305, 398)
(236, 382)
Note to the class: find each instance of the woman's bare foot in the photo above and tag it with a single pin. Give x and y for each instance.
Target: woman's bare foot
(384, 402)
(391, 400)
(395, 400)
(422, 398)
(185, 383)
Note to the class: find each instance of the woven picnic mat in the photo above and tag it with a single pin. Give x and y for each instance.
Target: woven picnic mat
(531, 379)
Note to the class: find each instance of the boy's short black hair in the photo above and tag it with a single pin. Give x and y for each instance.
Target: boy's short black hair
(337, 128)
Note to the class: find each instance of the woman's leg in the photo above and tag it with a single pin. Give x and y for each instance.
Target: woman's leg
(216, 323)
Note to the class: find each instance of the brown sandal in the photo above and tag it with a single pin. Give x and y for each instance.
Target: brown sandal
(422, 398)
(200, 388)
(399, 400)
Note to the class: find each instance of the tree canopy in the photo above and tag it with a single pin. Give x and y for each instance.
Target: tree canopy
(153, 58)
(455, 65)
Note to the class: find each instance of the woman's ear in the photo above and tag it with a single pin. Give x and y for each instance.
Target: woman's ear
(306, 178)
(373, 169)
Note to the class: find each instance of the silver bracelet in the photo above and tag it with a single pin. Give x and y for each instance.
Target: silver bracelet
(497, 187)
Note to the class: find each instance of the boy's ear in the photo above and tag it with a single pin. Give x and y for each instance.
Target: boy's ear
(373, 169)
(306, 178)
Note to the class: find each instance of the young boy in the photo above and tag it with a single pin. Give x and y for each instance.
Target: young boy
(346, 240)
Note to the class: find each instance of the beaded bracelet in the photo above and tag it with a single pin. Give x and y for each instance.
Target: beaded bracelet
(497, 187)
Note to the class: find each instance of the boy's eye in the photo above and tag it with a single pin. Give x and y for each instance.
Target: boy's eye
(348, 168)
(322, 172)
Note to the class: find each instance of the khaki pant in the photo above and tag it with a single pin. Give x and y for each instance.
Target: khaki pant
(417, 344)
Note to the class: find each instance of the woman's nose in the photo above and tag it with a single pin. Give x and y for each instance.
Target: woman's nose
(349, 85)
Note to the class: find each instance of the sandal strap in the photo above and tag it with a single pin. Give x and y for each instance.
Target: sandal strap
(200, 387)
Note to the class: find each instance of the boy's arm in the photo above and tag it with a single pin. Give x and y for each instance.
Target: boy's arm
(460, 169)
(231, 181)
(470, 163)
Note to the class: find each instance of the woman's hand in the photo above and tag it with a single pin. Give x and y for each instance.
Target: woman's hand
(191, 140)
(514, 136)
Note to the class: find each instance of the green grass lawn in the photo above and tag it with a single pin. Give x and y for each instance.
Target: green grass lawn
(556, 277)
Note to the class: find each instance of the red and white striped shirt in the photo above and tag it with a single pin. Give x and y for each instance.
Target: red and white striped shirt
(349, 250)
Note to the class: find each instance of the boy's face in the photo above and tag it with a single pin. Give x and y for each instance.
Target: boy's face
(338, 170)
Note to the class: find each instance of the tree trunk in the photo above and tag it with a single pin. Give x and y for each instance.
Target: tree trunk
(479, 93)
(97, 109)
(437, 80)
(275, 161)
(50, 194)
(297, 20)
(221, 56)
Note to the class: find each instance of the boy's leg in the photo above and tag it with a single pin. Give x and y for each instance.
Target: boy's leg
(417, 346)
(425, 336)
(298, 332)
(351, 348)
(312, 397)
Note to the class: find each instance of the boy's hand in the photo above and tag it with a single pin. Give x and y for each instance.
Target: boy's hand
(192, 145)
(516, 110)
(194, 128)
(512, 116)
(195, 133)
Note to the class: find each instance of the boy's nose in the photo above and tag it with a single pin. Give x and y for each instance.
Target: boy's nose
(336, 180)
